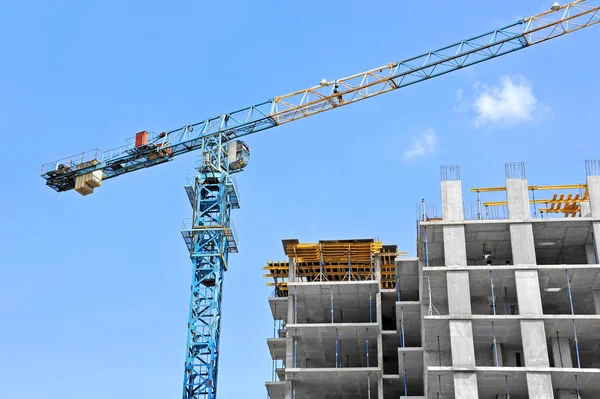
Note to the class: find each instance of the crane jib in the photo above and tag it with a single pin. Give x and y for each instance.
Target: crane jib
(93, 167)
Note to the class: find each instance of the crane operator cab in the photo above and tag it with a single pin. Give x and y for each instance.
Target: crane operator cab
(238, 155)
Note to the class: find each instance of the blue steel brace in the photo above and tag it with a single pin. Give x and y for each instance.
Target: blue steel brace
(573, 313)
(367, 345)
(337, 352)
(210, 238)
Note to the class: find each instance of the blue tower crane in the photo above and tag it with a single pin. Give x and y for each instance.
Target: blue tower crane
(210, 235)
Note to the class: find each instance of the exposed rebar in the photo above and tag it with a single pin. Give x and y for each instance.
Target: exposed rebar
(515, 170)
(592, 167)
(449, 172)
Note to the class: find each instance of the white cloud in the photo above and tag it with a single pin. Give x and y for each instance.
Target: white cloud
(459, 94)
(422, 145)
(511, 103)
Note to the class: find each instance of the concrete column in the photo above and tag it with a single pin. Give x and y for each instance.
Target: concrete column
(522, 244)
(517, 197)
(379, 335)
(459, 293)
(289, 340)
(465, 385)
(452, 204)
(455, 249)
(380, 388)
(292, 276)
(539, 385)
(459, 298)
(528, 292)
(561, 352)
(593, 183)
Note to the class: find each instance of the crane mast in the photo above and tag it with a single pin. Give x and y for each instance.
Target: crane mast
(210, 236)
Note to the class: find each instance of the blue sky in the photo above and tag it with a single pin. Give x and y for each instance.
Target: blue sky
(94, 291)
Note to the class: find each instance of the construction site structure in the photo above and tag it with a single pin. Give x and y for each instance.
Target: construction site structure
(210, 236)
(492, 307)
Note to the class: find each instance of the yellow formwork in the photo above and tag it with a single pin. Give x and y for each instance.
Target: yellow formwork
(337, 260)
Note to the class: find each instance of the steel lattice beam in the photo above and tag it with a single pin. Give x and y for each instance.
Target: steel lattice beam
(60, 175)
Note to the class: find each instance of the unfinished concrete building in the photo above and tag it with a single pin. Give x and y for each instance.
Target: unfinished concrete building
(502, 301)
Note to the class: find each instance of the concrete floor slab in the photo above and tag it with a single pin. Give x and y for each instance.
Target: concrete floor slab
(276, 389)
(279, 308)
(277, 347)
